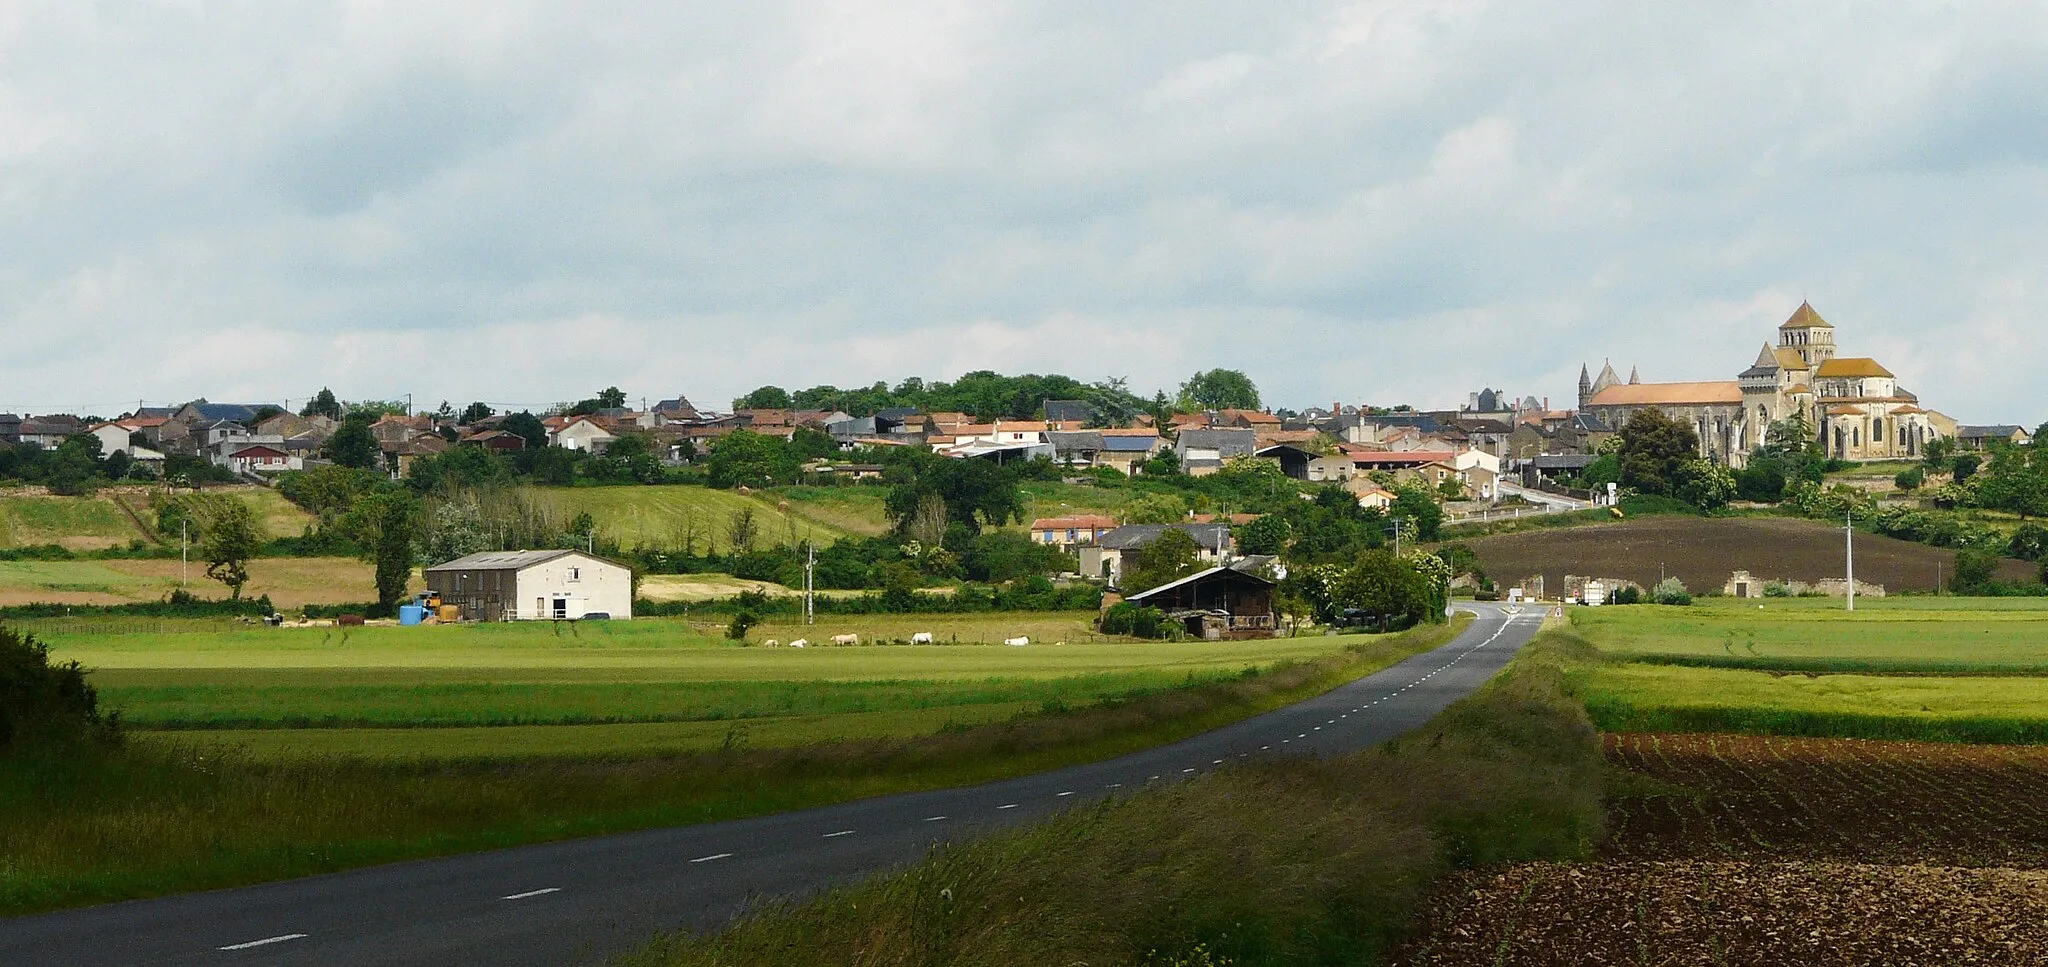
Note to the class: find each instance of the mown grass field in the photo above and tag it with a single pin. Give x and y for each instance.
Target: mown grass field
(163, 814)
(289, 581)
(1938, 669)
(666, 515)
(615, 688)
(29, 519)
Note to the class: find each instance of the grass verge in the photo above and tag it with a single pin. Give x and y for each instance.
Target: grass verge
(1283, 862)
(151, 819)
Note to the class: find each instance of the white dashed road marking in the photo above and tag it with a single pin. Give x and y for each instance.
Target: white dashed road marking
(265, 941)
(530, 893)
(714, 856)
(843, 832)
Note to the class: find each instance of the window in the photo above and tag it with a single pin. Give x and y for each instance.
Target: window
(575, 574)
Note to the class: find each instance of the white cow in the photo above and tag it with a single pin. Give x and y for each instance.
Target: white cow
(771, 643)
(846, 639)
(799, 643)
(1016, 641)
(921, 638)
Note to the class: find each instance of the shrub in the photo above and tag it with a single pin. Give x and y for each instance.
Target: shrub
(2029, 542)
(1125, 618)
(1671, 591)
(1975, 571)
(1627, 594)
(41, 701)
(1777, 589)
(1910, 479)
(741, 623)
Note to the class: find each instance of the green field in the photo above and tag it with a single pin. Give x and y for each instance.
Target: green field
(664, 516)
(617, 688)
(77, 523)
(1931, 669)
(289, 582)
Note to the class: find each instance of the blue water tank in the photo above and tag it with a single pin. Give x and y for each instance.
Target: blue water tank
(411, 614)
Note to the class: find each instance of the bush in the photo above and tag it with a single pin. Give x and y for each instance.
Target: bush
(741, 623)
(1137, 621)
(2029, 542)
(1777, 589)
(41, 701)
(1910, 479)
(1626, 594)
(1671, 591)
(1975, 571)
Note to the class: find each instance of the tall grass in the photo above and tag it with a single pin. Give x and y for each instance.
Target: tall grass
(1282, 862)
(148, 820)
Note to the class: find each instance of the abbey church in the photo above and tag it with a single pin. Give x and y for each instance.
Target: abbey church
(1854, 406)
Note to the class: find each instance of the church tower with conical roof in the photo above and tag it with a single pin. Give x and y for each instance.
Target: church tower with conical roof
(1806, 333)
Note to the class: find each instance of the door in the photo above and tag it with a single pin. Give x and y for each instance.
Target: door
(561, 609)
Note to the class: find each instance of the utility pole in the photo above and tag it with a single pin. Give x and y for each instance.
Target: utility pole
(183, 545)
(1849, 528)
(810, 582)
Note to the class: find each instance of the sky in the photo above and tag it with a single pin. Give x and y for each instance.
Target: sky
(1385, 202)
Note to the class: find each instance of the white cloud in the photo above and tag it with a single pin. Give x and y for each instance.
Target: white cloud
(1392, 201)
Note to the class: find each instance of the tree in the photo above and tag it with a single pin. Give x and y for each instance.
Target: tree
(1174, 555)
(2029, 542)
(741, 531)
(1165, 463)
(977, 493)
(1705, 484)
(1910, 478)
(528, 427)
(42, 701)
(324, 404)
(74, 469)
(749, 459)
(354, 446)
(229, 540)
(1416, 503)
(1219, 389)
(1156, 509)
(474, 412)
(397, 526)
(1654, 451)
(1974, 571)
(765, 398)
(1266, 535)
(1966, 465)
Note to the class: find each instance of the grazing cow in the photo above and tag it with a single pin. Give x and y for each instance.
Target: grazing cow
(1016, 641)
(771, 643)
(921, 638)
(799, 643)
(846, 639)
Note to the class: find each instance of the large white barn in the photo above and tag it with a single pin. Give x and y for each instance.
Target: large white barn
(533, 585)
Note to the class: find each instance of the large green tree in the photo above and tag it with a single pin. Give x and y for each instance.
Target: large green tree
(353, 445)
(1174, 555)
(397, 535)
(749, 459)
(324, 404)
(765, 398)
(1218, 389)
(977, 493)
(1654, 451)
(229, 540)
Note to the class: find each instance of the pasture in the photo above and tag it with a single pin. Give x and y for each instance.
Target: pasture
(289, 581)
(680, 514)
(1940, 669)
(613, 688)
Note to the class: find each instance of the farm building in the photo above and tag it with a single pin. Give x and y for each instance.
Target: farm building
(533, 585)
(1221, 602)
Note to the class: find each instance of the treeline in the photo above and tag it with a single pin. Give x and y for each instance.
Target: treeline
(79, 467)
(983, 394)
(1035, 593)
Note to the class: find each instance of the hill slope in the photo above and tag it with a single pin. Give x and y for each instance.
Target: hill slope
(1703, 552)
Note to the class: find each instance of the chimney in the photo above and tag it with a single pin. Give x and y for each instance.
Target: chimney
(1546, 404)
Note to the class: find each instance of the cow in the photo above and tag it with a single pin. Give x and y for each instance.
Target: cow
(921, 638)
(799, 643)
(846, 639)
(1016, 641)
(771, 643)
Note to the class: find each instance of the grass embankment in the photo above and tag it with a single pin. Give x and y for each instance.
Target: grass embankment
(676, 514)
(1285, 861)
(1921, 669)
(152, 820)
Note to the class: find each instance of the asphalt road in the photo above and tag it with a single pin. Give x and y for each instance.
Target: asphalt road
(583, 900)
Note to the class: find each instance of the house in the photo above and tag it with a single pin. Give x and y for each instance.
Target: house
(10, 428)
(1068, 532)
(578, 433)
(677, 410)
(114, 437)
(48, 432)
(1407, 462)
(256, 458)
(534, 585)
(1203, 452)
(1105, 558)
(1370, 495)
(496, 441)
(1980, 437)
(1293, 460)
(202, 413)
(1070, 414)
(1555, 466)
(1125, 450)
(1245, 419)
(1221, 602)
(1075, 448)
(1480, 471)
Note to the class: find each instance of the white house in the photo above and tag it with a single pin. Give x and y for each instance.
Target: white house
(113, 437)
(262, 458)
(1480, 470)
(533, 585)
(581, 434)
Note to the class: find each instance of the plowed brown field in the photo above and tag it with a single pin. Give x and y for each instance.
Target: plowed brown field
(1762, 850)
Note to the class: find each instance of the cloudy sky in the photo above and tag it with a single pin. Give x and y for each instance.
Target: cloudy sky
(1388, 201)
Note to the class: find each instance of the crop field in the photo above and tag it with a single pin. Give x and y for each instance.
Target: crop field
(611, 688)
(289, 581)
(29, 519)
(706, 587)
(857, 509)
(1746, 850)
(668, 515)
(1703, 552)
